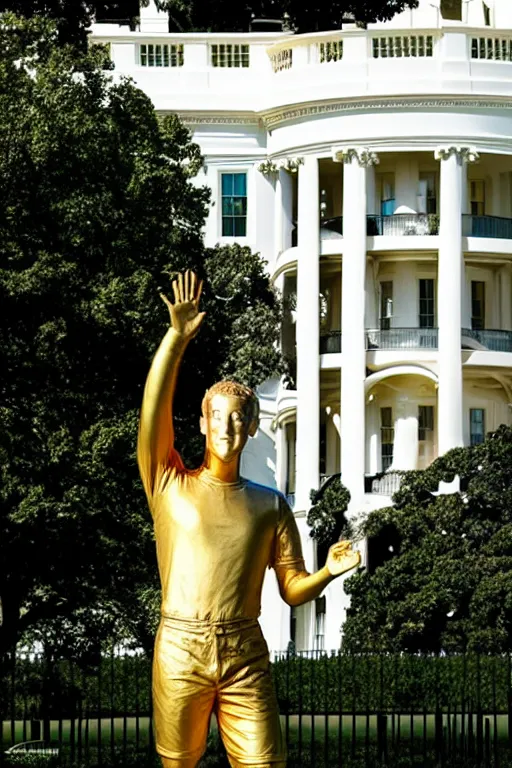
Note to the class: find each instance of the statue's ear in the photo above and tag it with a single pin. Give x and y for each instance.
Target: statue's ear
(202, 425)
(253, 427)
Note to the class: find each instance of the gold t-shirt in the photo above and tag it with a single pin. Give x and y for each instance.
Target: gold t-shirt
(214, 541)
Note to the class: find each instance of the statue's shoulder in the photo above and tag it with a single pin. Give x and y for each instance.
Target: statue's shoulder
(271, 496)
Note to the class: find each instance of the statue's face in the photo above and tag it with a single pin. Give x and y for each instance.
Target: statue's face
(226, 427)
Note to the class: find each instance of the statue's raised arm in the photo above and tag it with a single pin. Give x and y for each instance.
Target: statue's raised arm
(156, 433)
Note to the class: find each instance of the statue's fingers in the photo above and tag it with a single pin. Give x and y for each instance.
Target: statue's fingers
(176, 291)
(165, 299)
(199, 291)
(181, 288)
(193, 281)
(187, 285)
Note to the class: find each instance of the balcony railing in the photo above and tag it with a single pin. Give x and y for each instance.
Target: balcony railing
(399, 224)
(385, 484)
(493, 340)
(330, 342)
(486, 226)
(333, 225)
(402, 338)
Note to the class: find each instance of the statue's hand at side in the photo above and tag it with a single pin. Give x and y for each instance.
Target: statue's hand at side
(185, 316)
(341, 558)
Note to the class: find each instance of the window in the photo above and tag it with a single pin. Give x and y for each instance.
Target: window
(425, 422)
(476, 426)
(491, 48)
(427, 198)
(387, 194)
(320, 624)
(451, 9)
(427, 306)
(282, 60)
(161, 55)
(234, 204)
(477, 305)
(387, 436)
(403, 46)
(332, 50)
(386, 304)
(226, 55)
(477, 197)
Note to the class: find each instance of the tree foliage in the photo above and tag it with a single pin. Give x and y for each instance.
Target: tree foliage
(74, 16)
(442, 573)
(326, 517)
(97, 210)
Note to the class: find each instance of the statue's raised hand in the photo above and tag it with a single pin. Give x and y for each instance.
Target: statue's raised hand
(185, 316)
(342, 558)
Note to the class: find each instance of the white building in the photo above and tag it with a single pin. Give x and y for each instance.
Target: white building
(373, 168)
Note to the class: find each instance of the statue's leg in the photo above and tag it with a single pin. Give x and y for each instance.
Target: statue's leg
(247, 711)
(183, 695)
(170, 762)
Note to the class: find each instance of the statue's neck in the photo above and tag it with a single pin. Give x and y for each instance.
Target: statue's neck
(228, 472)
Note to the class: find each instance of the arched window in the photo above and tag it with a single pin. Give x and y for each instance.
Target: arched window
(451, 9)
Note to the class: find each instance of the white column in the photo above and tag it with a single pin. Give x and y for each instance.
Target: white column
(405, 443)
(308, 329)
(353, 368)
(449, 301)
(506, 298)
(308, 376)
(372, 437)
(370, 295)
(281, 444)
(278, 213)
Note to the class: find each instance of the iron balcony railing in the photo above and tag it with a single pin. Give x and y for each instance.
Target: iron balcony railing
(402, 338)
(491, 339)
(386, 483)
(330, 342)
(334, 225)
(486, 226)
(403, 224)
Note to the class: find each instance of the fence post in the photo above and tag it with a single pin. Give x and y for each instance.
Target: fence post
(438, 727)
(382, 734)
(35, 730)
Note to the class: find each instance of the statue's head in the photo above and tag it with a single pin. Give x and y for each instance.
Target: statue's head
(230, 415)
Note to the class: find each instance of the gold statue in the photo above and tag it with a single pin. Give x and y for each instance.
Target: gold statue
(216, 533)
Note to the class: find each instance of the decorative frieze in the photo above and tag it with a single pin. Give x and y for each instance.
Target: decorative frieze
(291, 164)
(268, 167)
(465, 154)
(364, 156)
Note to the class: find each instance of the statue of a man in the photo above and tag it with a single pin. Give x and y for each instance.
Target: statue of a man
(216, 533)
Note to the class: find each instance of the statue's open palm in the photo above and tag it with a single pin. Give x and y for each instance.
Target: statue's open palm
(185, 316)
(342, 558)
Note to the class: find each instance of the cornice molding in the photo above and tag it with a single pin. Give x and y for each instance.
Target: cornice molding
(273, 118)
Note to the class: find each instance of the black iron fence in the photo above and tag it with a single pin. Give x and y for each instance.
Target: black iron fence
(337, 710)
(402, 338)
(490, 338)
(486, 226)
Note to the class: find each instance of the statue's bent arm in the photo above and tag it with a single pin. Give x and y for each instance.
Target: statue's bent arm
(156, 433)
(297, 586)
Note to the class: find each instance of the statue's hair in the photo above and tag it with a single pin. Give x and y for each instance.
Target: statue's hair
(246, 395)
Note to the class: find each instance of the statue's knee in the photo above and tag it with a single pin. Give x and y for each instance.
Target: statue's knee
(171, 762)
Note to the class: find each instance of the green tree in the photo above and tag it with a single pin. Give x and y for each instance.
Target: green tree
(441, 577)
(97, 210)
(74, 16)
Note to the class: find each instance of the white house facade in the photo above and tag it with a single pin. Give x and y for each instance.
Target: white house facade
(372, 169)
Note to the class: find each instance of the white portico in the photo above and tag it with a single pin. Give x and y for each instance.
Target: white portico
(372, 169)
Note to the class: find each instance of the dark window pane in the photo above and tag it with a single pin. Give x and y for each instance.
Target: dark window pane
(227, 206)
(227, 183)
(240, 227)
(240, 184)
(227, 227)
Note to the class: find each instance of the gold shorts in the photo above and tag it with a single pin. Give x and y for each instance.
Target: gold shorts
(202, 667)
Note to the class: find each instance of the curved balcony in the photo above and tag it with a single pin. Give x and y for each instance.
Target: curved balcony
(491, 339)
(403, 224)
(486, 226)
(385, 483)
(402, 338)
